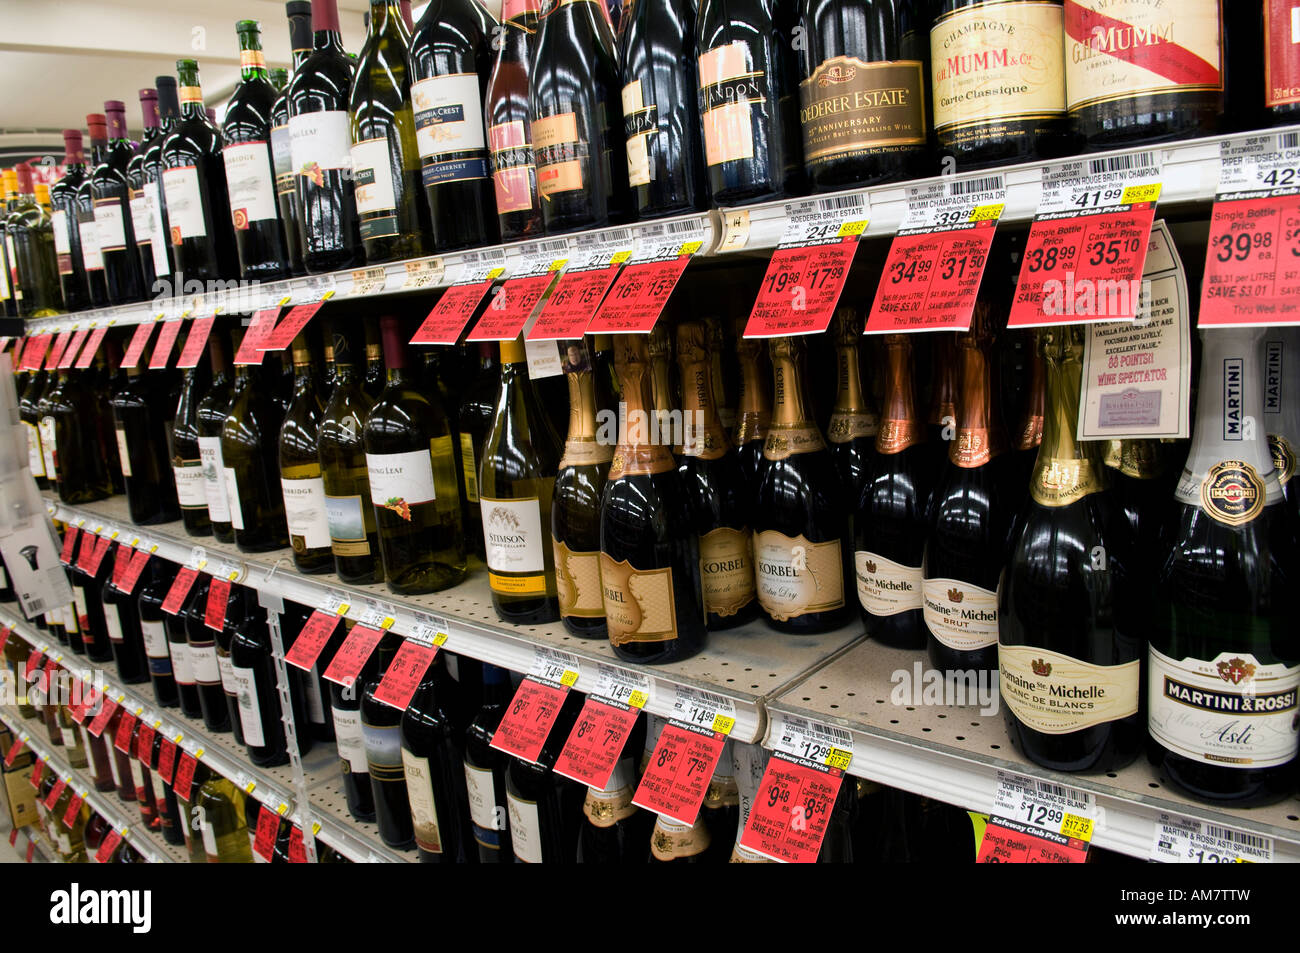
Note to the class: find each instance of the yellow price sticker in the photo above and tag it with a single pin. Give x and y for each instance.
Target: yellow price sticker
(115, 534)
(619, 257)
(569, 678)
(495, 273)
(388, 623)
(99, 529)
(852, 228)
(233, 575)
(285, 300)
(135, 541)
(202, 563)
(1075, 826)
(985, 213)
(327, 295)
(690, 248)
(838, 758)
(1141, 193)
(198, 753)
(153, 549)
(638, 699)
(315, 828)
(250, 786)
(440, 639)
(158, 316)
(343, 608)
(723, 724)
(558, 263)
(283, 809)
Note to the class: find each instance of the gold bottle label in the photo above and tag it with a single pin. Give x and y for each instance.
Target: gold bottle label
(1283, 457)
(1060, 482)
(785, 441)
(1232, 492)
(673, 841)
(585, 453)
(796, 576)
(639, 605)
(577, 581)
(895, 436)
(607, 808)
(728, 570)
(848, 105)
(469, 467)
(1056, 694)
(847, 426)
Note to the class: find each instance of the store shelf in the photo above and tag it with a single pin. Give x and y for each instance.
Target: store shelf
(954, 754)
(124, 818)
(742, 667)
(358, 841)
(1190, 173)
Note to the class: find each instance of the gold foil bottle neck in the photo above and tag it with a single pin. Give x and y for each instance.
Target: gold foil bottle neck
(754, 413)
(1030, 432)
(899, 428)
(704, 435)
(638, 452)
(1065, 471)
(845, 328)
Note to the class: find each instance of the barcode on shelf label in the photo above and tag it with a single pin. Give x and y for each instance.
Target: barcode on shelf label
(378, 615)
(335, 603)
(429, 629)
(1101, 184)
(1134, 160)
(822, 744)
(954, 205)
(986, 183)
(841, 203)
(1047, 805)
(1184, 840)
(621, 685)
(1288, 140)
(1267, 163)
(423, 274)
(698, 707)
(828, 219)
(555, 666)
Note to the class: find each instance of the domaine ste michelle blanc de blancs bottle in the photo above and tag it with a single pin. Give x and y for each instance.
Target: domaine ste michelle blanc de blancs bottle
(1223, 666)
(1069, 644)
(510, 144)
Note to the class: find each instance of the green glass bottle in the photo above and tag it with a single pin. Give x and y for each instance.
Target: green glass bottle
(300, 471)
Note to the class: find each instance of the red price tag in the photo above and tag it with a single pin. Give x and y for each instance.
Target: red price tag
(678, 775)
(97, 552)
(1010, 842)
(122, 739)
(311, 641)
(91, 348)
(1083, 269)
(100, 721)
(56, 352)
(85, 703)
(180, 588)
(573, 303)
(184, 776)
(131, 577)
(352, 655)
(51, 673)
(13, 837)
(638, 296)
(34, 352)
(162, 348)
(14, 750)
(789, 817)
(69, 544)
(195, 341)
(529, 719)
(450, 315)
(144, 744)
(37, 770)
(931, 280)
(4, 637)
(290, 327)
(596, 741)
(107, 846)
(138, 341)
(73, 349)
(33, 662)
(511, 308)
(268, 825)
(297, 852)
(250, 346)
(800, 290)
(214, 611)
(54, 794)
(74, 808)
(1252, 263)
(121, 562)
(404, 673)
(166, 760)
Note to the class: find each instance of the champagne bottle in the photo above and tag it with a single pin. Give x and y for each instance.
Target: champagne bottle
(516, 484)
(381, 728)
(674, 842)
(649, 550)
(412, 473)
(250, 461)
(30, 418)
(219, 812)
(153, 590)
(510, 145)
(801, 540)
(754, 412)
(1142, 475)
(140, 418)
(67, 234)
(664, 390)
(1222, 671)
(854, 422)
(187, 462)
(711, 475)
(1282, 412)
(286, 189)
(1068, 658)
(300, 470)
(110, 191)
(615, 830)
(485, 772)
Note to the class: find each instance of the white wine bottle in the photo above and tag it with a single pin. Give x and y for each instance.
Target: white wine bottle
(300, 470)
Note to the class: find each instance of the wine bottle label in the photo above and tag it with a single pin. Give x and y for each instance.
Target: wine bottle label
(319, 142)
(184, 203)
(1117, 49)
(796, 576)
(304, 512)
(1057, 694)
(347, 526)
(191, 488)
(399, 481)
(577, 582)
(62, 242)
(35, 459)
(1283, 457)
(848, 425)
(886, 587)
(1060, 482)
(157, 205)
(208, 836)
(137, 773)
(141, 222)
(113, 623)
(203, 658)
(996, 63)
(848, 106)
(639, 604)
(559, 153)
(1281, 53)
(782, 442)
(79, 600)
(730, 91)
(448, 123)
(232, 494)
(469, 468)
(48, 446)
(253, 58)
(585, 453)
(512, 535)
(424, 810)
(1231, 711)
(123, 455)
(182, 664)
(155, 639)
(111, 224)
(227, 669)
(383, 751)
(671, 840)
(350, 741)
(726, 561)
(961, 616)
(513, 171)
(250, 183)
(372, 174)
(282, 157)
(639, 123)
(250, 715)
(1231, 491)
(525, 829)
(972, 448)
(483, 811)
(91, 259)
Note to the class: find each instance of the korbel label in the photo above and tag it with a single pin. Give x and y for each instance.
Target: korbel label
(639, 604)
(796, 576)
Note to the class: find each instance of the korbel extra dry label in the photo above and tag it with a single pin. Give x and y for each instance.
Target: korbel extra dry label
(728, 570)
(577, 582)
(639, 604)
(796, 576)
(1056, 694)
(848, 105)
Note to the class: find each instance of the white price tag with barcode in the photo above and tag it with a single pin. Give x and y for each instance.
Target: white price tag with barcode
(429, 629)
(198, 559)
(227, 568)
(601, 249)
(555, 666)
(377, 615)
(811, 740)
(661, 241)
(335, 603)
(475, 267)
(368, 281)
(953, 202)
(815, 221)
(1047, 805)
(1088, 185)
(620, 685)
(425, 273)
(698, 707)
(1267, 164)
(538, 258)
(1182, 840)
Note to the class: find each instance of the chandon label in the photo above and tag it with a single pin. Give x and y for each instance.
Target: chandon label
(512, 166)
(961, 616)
(639, 121)
(730, 90)
(1056, 694)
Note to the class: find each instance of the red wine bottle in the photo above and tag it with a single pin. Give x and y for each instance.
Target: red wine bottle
(510, 144)
(92, 260)
(110, 190)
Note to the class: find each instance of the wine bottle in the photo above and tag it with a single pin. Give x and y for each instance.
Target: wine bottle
(122, 624)
(178, 647)
(665, 392)
(1029, 433)
(375, 376)
(308, 686)
(510, 145)
(354, 538)
(573, 91)
(67, 234)
(661, 122)
(300, 470)
(674, 842)
(191, 819)
(232, 615)
(194, 188)
(385, 162)
(1016, 48)
(205, 667)
(30, 241)
(964, 551)
(720, 812)
(649, 550)
(485, 772)
(1282, 412)
(71, 442)
(801, 541)
(219, 811)
(187, 462)
(748, 764)
(142, 218)
(164, 796)
(516, 484)
(107, 375)
(91, 259)
(381, 726)
(542, 805)
(1136, 73)
(439, 373)
(8, 269)
(1068, 657)
(286, 190)
(140, 418)
(140, 780)
(746, 72)
(151, 186)
(1222, 671)
(474, 420)
(250, 464)
(250, 163)
(30, 418)
(153, 630)
(253, 669)
(321, 148)
(411, 467)
(754, 413)
(854, 422)
(711, 476)
(615, 830)
(345, 711)
(110, 190)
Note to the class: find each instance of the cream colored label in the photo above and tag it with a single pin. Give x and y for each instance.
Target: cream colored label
(1057, 694)
(961, 616)
(638, 153)
(726, 556)
(671, 840)
(795, 576)
(847, 426)
(525, 829)
(886, 587)
(123, 454)
(35, 459)
(783, 442)
(555, 141)
(728, 92)
(577, 582)
(639, 605)
(424, 811)
(998, 61)
(584, 453)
